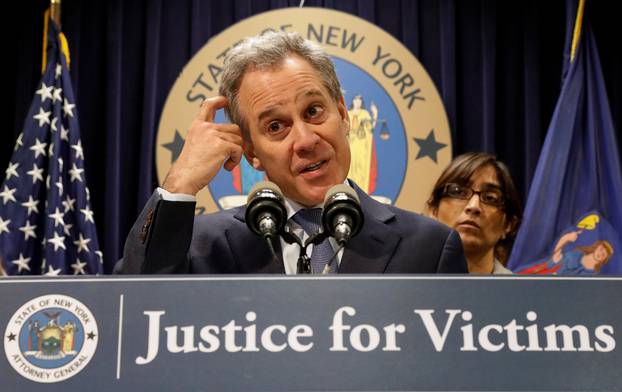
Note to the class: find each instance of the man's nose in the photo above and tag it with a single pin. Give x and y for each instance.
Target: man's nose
(305, 137)
(473, 205)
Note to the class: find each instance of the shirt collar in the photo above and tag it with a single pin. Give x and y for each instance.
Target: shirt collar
(293, 207)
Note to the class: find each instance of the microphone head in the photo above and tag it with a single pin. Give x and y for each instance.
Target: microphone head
(342, 204)
(265, 200)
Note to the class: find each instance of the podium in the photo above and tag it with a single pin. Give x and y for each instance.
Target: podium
(305, 333)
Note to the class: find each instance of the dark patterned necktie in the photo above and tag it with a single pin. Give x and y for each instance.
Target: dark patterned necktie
(310, 220)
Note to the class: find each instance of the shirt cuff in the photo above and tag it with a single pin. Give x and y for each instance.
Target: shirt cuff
(166, 195)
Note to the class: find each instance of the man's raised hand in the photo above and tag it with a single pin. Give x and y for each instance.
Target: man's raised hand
(208, 146)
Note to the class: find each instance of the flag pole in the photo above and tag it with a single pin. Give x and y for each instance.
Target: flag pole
(576, 33)
(55, 11)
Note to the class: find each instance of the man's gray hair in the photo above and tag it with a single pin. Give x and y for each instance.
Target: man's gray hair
(266, 51)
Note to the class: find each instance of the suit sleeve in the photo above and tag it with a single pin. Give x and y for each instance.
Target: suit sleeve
(452, 257)
(159, 240)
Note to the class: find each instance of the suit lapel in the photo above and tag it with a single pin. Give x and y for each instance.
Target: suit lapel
(368, 252)
(371, 250)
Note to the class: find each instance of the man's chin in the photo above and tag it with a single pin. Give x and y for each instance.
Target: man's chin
(311, 201)
(312, 196)
(311, 193)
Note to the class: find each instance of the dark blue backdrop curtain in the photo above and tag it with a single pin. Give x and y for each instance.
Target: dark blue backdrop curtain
(497, 67)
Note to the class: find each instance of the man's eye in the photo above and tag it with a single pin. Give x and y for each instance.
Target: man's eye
(314, 111)
(275, 126)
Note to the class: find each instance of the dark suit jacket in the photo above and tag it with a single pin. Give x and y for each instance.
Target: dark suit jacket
(163, 240)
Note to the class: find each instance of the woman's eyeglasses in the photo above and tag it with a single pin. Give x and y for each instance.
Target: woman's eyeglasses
(492, 197)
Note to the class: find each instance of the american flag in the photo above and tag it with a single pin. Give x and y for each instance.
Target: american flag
(46, 221)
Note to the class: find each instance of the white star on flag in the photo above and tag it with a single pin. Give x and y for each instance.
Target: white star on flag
(59, 185)
(58, 71)
(31, 204)
(78, 267)
(43, 117)
(82, 244)
(68, 203)
(68, 108)
(57, 94)
(58, 217)
(4, 225)
(38, 148)
(78, 148)
(67, 229)
(22, 263)
(64, 133)
(57, 241)
(29, 230)
(12, 170)
(52, 271)
(88, 214)
(36, 173)
(19, 142)
(7, 194)
(75, 173)
(53, 125)
(45, 92)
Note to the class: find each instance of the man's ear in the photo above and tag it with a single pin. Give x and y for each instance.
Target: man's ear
(251, 158)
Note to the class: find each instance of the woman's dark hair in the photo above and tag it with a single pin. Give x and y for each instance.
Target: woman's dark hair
(460, 171)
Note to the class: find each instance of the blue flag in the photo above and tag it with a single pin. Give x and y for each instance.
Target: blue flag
(573, 217)
(46, 221)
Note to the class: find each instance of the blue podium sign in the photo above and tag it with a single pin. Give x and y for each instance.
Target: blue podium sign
(336, 333)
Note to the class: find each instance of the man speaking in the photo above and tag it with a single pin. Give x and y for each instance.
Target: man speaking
(290, 120)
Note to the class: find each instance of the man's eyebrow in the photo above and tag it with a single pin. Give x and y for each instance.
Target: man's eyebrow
(309, 93)
(269, 112)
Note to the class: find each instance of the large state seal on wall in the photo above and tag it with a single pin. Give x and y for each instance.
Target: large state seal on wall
(399, 138)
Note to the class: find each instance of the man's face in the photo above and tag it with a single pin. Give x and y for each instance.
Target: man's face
(297, 130)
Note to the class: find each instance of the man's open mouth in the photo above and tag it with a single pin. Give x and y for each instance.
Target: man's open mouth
(313, 167)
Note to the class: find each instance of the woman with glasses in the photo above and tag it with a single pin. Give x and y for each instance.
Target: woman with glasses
(475, 195)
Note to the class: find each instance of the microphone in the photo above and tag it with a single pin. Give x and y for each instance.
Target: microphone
(265, 210)
(342, 217)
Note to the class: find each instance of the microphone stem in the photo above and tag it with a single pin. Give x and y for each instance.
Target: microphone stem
(268, 239)
(304, 264)
(330, 262)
